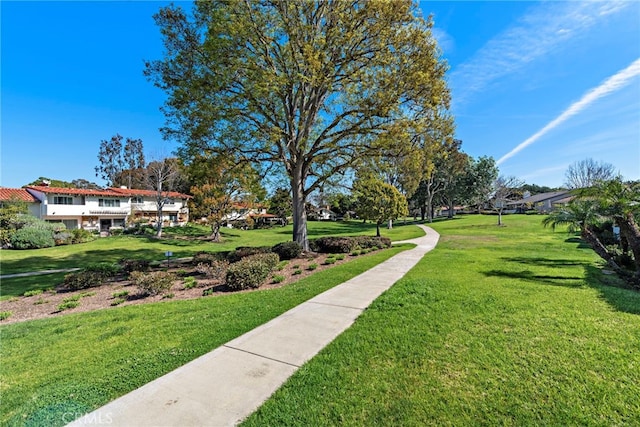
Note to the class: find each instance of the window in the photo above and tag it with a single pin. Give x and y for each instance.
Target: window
(170, 202)
(62, 200)
(118, 222)
(137, 200)
(109, 203)
(71, 224)
(173, 217)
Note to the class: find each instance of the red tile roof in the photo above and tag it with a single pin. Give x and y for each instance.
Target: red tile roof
(17, 194)
(148, 193)
(107, 192)
(74, 191)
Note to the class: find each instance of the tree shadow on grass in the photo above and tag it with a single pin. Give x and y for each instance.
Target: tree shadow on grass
(581, 243)
(547, 262)
(530, 276)
(613, 290)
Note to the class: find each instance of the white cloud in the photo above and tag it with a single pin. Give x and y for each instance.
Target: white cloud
(544, 28)
(444, 39)
(612, 84)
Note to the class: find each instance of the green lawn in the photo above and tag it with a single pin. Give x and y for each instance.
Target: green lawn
(497, 326)
(78, 362)
(113, 249)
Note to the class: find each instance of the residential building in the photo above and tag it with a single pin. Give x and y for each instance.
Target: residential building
(98, 210)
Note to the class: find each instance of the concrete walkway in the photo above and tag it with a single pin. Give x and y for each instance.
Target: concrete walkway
(223, 387)
(38, 273)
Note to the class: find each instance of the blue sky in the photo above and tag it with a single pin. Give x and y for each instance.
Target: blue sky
(536, 85)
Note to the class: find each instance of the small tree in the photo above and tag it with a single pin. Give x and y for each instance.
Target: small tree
(220, 184)
(281, 204)
(504, 189)
(162, 177)
(378, 201)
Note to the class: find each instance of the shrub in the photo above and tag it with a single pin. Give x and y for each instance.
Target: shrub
(281, 265)
(190, 283)
(246, 251)
(168, 296)
(356, 252)
(120, 294)
(117, 301)
(130, 265)
(312, 267)
(80, 235)
(369, 242)
(209, 257)
(339, 257)
(287, 250)
(68, 305)
(336, 245)
(296, 272)
(5, 314)
(40, 301)
(251, 271)
(153, 283)
(106, 269)
(32, 293)
(63, 238)
(82, 280)
(329, 261)
(208, 292)
(32, 238)
(215, 270)
(116, 231)
(70, 302)
(278, 278)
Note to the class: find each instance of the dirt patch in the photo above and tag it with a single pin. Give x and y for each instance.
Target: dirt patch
(46, 304)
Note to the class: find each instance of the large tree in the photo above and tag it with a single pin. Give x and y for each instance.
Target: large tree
(117, 161)
(309, 85)
(587, 172)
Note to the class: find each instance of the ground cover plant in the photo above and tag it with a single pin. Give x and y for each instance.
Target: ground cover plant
(513, 325)
(78, 362)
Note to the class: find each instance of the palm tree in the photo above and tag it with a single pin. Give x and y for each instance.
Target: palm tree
(620, 201)
(579, 216)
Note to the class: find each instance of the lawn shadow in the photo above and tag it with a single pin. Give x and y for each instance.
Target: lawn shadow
(581, 243)
(530, 276)
(613, 290)
(547, 262)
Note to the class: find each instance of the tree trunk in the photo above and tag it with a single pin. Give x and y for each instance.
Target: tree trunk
(629, 229)
(377, 229)
(451, 208)
(299, 212)
(215, 232)
(390, 224)
(159, 225)
(595, 243)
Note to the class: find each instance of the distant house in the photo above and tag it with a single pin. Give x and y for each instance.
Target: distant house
(143, 205)
(543, 202)
(98, 209)
(326, 214)
(242, 212)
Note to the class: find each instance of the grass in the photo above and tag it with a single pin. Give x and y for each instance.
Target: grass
(497, 326)
(179, 240)
(78, 362)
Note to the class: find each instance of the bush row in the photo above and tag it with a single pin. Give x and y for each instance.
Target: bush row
(344, 245)
(92, 275)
